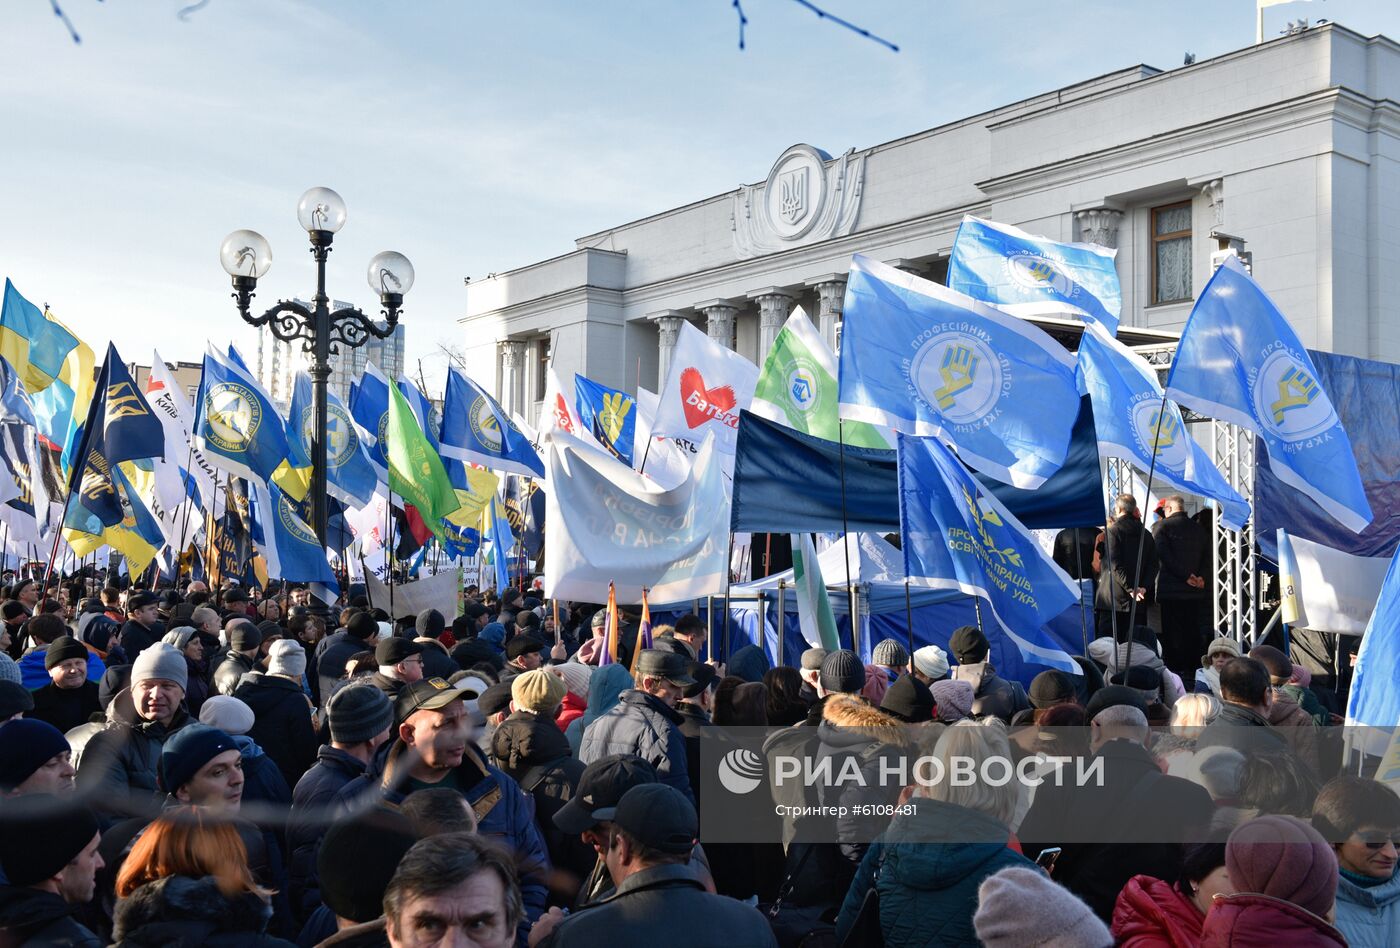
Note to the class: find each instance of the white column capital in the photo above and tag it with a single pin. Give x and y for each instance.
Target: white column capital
(774, 305)
(831, 301)
(668, 330)
(1099, 225)
(720, 316)
(1214, 191)
(512, 353)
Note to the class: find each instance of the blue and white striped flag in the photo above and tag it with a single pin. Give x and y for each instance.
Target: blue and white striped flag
(1373, 705)
(476, 430)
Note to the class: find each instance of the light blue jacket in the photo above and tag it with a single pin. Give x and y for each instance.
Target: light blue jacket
(1370, 918)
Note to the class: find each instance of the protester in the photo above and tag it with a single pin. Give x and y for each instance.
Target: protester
(1019, 906)
(335, 651)
(244, 643)
(810, 668)
(1183, 553)
(970, 647)
(454, 889)
(43, 631)
(69, 698)
(786, 703)
(1218, 652)
(1243, 722)
(284, 714)
(143, 627)
(400, 663)
(952, 700)
(1151, 912)
(49, 860)
(1361, 820)
(35, 757)
(187, 641)
(356, 863)
(428, 628)
(929, 664)
(522, 655)
(576, 676)
(1297, 725)
(1128, 570)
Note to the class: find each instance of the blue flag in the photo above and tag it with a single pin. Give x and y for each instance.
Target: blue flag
(286, 542)
(476, 430)
(609, 414)
(1240, 361)
(422, 409)
(921, 359)
(14, 402)
(500, 530)
(957, 535)
(1134, 423)
(238, 429)
(1031, 276)
(1374, 701)
(350, 476)
(369, 406)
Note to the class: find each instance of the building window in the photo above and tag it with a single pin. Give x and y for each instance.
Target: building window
(1171, 253)
(542, 369)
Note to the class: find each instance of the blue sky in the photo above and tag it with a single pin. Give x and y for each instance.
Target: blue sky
(476, 137)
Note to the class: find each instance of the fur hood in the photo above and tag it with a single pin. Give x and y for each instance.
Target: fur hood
(178, 910)
(860, 717)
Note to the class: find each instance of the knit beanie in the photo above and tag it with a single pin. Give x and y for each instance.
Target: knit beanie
(26, 744)
(1222, 644)
(430, 623)
(876, 684)
(1021, 906)
(931, 661)
(357, 860)
(954, 699)
(160, 661)
(1049, 688)
(9, 671)
(286, 657)
(62, 649)
(890, 654)
(40, 834)
(576, 676)
(1283, 857)
(179, 639)
(842, 672)
(243, 636)
(968, 645)
(359, 713)
(228, 714)
(14, 697)
(362, 626)
(537, 691)
(909, 700)
(187, 750)
(1219, 769)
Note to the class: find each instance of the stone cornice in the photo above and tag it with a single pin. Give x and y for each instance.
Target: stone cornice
(542, 304)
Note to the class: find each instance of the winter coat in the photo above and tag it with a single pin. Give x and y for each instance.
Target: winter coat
(1116, 656)
(1151, 913)
(605, 688)
(1250, 920)
(309, 819)
(262, 780)
(503, 811)
(851, 728)
(180, 912)
(33, 674)
(930, 865)
(1298, 729)
(118, 769)
(643, 725)
(1183, 550)
(332, 654)
(390, 686)
(1244, 729)
(436, 662)
(369, 935)
(664, 905)
(136, 638)
(1306, 698)
(282, 724)
(986, 683)
(535, 754)
(39, 919)
(1370, 918)
(571, 710)
(1118, 571)
(230, 672)
(65, 708)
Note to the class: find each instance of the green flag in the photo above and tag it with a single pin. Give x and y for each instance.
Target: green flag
(814, 615)
(415, 471)
(797, 387)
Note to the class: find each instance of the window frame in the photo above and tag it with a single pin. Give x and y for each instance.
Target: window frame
(1155, 239)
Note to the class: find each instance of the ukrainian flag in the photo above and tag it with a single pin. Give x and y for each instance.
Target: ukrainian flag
(137, 536)
(56, 367)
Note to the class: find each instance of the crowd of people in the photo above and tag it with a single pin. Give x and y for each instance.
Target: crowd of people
(209, 767)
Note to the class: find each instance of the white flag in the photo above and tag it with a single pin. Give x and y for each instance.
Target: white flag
(704, 391)
(660, 458)
(175, 413)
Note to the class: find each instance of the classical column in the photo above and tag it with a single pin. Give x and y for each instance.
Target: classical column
(1214, 191)
(668, 329)
(774, 305)
(1099, 225)
(513, 364)
(719, 320)
(831, 297)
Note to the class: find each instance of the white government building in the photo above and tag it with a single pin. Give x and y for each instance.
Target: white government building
(1290, 146)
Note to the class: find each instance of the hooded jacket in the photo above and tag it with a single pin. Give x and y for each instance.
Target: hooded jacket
(40, 918)
(118, 767)
(605, 687)
(931, 864)
(1151, 913)
(180, 912)
(312, 810)
(1251, 920)
(643, 725)
(851, 728)
(570, 711)
(534, 752)
(1370, 918)
(1115, 656)
(282, 722)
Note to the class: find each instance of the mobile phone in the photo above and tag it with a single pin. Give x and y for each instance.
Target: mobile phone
(1047, 859)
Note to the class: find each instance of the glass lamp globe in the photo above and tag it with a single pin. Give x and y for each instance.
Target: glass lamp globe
(245, 253)
(321, 209)
(390, 272)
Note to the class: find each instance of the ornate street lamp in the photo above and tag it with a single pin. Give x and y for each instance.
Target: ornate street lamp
(246, 257)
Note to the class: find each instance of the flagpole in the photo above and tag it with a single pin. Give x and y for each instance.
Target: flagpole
(728, 571)
(1108, 558)
(909, 618)
(846, 536)
(1078, 568)
(1142, 537)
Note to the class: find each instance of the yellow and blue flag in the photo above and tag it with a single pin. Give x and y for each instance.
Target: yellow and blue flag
(609, 414)
(55, 366)
(350, 476)
(476, 430)
(238, 428)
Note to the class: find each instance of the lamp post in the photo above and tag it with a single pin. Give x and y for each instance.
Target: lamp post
(246, 256)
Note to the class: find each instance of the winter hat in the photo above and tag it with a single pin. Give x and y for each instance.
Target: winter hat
(269, 630)
(931, 661)
(1112, 695)
(576, 676)
(1280, 668)
(495, 699)
(749, 663)
(1050, 688)
(1145, 635)
(890, 654)
(243, 636)
(968, 645)
(40, 834)
(1142, 679)
(953, 698)
(179, 639)
(494, 634)
(357, 860)
(909, 700)
(62, 649)
(1301, 676)
(876, 684)
(26, 745)
(187, 750)
(537, 691)
(842, 672)
(286, 657)
(392, 651)
(359, 713)
(1222, 644)
(522, 645)
(14, 697)
(362, 626)
(430, 623)
(12, 610)
(1219, 769)
(812, 659)
(227, 713)
(469, 653)
(160, 661)
(1283, 857)
(114, 682)
(1022, 907)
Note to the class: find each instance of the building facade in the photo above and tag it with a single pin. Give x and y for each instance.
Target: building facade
(1289, 147)
(277, 362)
(186, 374)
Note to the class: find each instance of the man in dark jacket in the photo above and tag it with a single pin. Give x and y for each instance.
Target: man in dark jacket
(433, 748)
(400, 664)
(48, 852)
(283, 727)
(361, 718)
(244, 640)
(970, 648)
(1243, 722)
(436, 662)
(644, 722)
(1183, 557)
(143, 627)
(658, 899)
(117, 771)
(1121, 580)
(336, 649)
(695, 706)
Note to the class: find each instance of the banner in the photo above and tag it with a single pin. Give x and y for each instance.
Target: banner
(606, 523)
(705, 389)
(1334, 591)
(438, 592)
(1373, 705)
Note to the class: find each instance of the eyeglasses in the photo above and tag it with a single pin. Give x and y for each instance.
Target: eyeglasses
(1377, 841)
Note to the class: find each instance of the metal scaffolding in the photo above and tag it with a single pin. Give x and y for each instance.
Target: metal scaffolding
(1236, 605)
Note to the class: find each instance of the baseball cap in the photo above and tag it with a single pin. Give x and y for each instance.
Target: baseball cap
(600, 787)
(391, 651)
(429, 694)
(659, 816)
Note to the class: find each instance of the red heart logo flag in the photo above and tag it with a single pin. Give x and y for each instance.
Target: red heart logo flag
(704, 391)
(706, 404)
